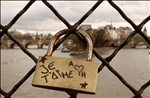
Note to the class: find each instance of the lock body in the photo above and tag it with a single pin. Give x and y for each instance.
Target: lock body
(66, 74)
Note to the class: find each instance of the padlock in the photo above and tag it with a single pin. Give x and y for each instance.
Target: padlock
(66, 74)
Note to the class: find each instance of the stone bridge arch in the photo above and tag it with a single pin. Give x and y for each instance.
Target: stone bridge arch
(40, 43)
(25, 43)
(133, 44)
(10, 44)
(141, 43)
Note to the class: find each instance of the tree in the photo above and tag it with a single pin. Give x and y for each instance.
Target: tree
(49, 36)
(27, 36)
(101, 36)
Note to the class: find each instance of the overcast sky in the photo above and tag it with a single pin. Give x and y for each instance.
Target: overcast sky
(39, 18)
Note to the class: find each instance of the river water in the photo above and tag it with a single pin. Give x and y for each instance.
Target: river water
(132, 64)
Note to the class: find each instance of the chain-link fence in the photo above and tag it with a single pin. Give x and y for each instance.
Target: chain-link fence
(105, 61)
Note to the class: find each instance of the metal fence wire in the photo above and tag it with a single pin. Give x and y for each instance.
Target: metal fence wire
(105, 61)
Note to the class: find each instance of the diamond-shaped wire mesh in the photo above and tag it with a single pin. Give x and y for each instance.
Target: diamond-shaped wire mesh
(105, 61)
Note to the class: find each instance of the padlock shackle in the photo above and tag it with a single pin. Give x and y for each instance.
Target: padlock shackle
(62, 32)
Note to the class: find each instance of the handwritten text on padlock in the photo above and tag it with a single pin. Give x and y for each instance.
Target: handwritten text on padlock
(54, 73)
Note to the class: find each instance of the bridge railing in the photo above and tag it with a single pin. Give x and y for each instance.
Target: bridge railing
(105, 61)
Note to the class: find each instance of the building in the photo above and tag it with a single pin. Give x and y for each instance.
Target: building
(123, 32)
(113, 34)
(85, 27)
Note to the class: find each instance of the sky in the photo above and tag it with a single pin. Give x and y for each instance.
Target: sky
(39, 18)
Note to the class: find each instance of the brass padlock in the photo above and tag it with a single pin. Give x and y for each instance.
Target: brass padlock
(66, 74)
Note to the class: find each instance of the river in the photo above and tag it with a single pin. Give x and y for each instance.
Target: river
(132, 64)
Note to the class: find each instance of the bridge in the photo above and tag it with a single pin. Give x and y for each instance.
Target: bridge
(135, 44)
(10, 44)
(131, 44)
